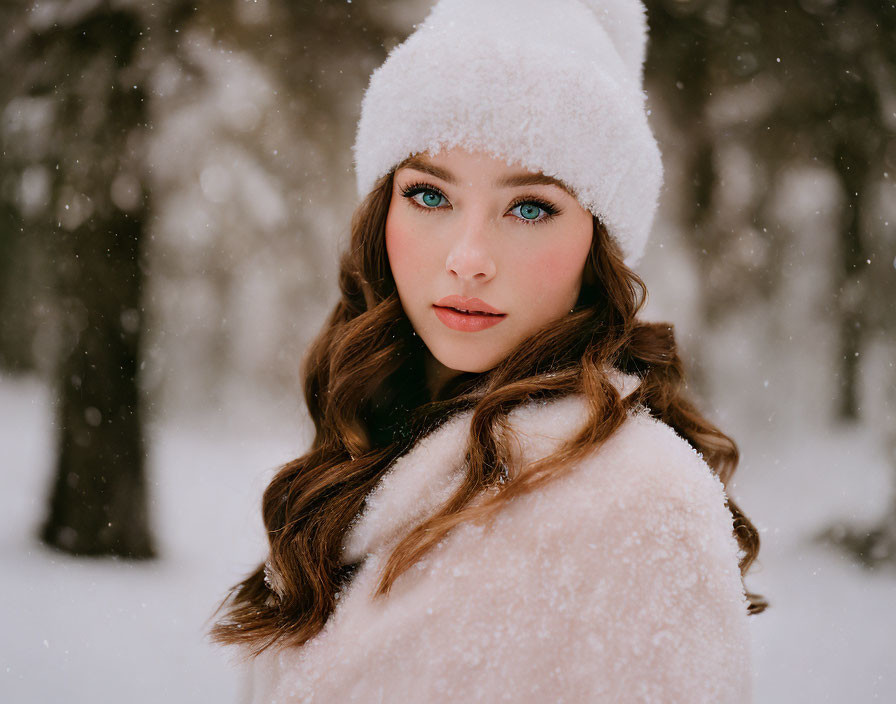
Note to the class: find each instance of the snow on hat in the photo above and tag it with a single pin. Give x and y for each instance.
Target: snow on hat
(551, 86)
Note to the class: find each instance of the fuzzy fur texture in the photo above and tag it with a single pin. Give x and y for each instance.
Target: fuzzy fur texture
(551, 86)
(618, 582)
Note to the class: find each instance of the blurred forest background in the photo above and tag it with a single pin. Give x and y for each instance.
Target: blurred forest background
(175, 186)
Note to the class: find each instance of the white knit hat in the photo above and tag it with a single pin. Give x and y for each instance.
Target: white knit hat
(551, 85)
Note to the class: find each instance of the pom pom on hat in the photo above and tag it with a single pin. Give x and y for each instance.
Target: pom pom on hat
(551, 86)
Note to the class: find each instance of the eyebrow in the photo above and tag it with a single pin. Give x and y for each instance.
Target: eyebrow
(521, 179)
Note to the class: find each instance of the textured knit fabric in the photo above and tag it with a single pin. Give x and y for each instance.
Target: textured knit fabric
(551, 86)
(615, 583)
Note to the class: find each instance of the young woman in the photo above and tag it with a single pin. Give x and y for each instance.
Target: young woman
(508, 497)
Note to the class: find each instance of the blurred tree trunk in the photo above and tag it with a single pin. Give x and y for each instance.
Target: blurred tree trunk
(15, 329)
(89, 68)
(16, 251)
(849, 291)
(99, 503)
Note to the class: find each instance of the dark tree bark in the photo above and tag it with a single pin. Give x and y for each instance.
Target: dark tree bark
(852, 168)
(91, 69)
(15, 329)
(99, 501)
(17, 251)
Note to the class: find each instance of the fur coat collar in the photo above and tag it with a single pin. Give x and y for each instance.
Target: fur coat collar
(420, 481)
(618, 581)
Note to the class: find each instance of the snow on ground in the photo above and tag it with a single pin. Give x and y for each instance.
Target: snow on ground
(104, 631)
(830, 632)
(79, 630)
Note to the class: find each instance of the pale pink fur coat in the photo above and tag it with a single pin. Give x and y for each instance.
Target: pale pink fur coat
(618, 582)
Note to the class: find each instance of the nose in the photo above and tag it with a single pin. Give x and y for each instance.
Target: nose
(469, 257)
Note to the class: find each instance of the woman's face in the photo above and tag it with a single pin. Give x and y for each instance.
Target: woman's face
(483, 254)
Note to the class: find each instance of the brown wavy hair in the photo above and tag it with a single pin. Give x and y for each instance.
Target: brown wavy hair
(365, 389)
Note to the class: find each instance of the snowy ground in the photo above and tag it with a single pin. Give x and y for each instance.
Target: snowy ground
(100, 631)
(830, 633)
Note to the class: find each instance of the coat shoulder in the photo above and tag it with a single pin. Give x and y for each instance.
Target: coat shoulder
(645, 461)
(641, 522)
(646, 493)
(649, 482)
(652, 461)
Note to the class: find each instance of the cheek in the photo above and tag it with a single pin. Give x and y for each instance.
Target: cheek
(552, 275)
(403, 247)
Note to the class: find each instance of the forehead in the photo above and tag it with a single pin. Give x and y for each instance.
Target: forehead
(459, 165)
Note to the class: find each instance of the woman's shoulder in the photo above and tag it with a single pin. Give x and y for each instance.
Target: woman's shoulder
(644, 458)
(645, 487)
(645, 496)
(654, 461)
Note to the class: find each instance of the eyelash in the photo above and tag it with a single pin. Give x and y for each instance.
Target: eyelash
(549, 210)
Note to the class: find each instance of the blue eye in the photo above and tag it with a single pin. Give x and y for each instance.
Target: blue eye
(425, 196)
(431, 198)
(532, 211)
(529, 211)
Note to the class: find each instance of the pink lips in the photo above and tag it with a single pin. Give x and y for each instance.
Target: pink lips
(467, 314)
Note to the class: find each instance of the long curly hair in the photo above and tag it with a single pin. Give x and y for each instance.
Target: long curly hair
(365, 389)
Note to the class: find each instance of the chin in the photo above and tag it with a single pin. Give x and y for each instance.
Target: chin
(470, 361)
